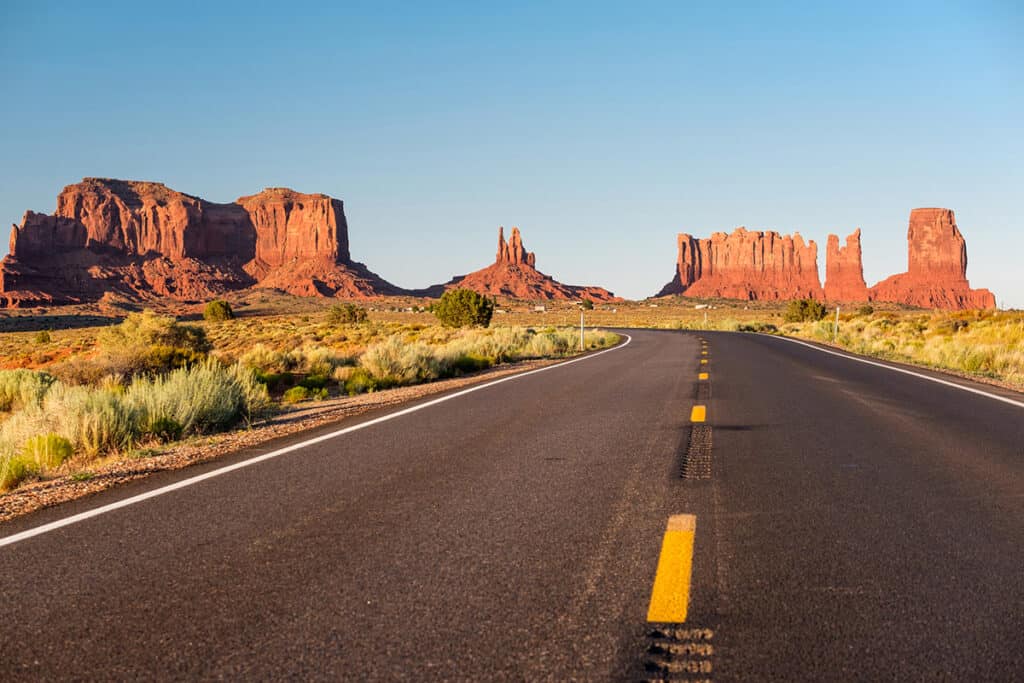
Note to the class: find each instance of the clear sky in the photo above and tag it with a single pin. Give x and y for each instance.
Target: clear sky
(600, 129)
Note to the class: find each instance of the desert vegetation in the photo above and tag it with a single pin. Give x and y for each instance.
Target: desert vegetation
(987, 344)
(120, 390)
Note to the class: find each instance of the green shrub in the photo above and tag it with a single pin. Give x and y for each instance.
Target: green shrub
(805, 310)
(16, 469)
(274, 381)
(165, 429)
(22, 388)
(42, 337)
(314, 381)
(359, 381)
(218, 310)
(147, 343)
(205, 397)
(341, 314)
(866, 309)
(464, 308)
(300, 393)
(393, 362)
(587, 305)
(48, 450)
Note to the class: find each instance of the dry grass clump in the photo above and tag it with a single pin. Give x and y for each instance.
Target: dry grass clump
(985, 343)
(22, 388)
(106, 420)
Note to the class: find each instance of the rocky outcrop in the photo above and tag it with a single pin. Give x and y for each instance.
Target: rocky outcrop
(936, 274)
(143, 240)
(746, 265)
(514, 274)
(844, 271)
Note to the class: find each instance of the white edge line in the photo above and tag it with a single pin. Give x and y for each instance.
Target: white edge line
(103, 509)
(904, 371)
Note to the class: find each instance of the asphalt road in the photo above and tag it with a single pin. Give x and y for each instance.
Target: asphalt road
(852, 523)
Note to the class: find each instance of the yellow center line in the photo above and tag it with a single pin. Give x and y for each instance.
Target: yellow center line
(703, 353)
(703, 361)
(702, 375)
(670, 595)
(698, 414)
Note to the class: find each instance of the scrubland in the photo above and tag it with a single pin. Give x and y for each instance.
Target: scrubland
(71, 398)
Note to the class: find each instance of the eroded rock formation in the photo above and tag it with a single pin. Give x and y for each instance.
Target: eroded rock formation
(844, 271)
(514, 274)
(765, 265)
(746, 265)
(936, 274)
(144, 240)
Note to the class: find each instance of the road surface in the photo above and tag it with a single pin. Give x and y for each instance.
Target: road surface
(849, 522)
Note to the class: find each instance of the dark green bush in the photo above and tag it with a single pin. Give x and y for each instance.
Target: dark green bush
(341, 314)
(587, 305)
(218, 310)
(469, 363)
(866, 309)
(43, 337)
(805, 310)
(360, 382)
(464, 308)
(274, 381)
(166, 429)
(300, 393)
(314, 381)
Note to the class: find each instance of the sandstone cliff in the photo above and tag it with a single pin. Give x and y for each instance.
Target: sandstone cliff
(844, 271)
(142, 240)
(746, 265)
(936, 274)
(514, 274)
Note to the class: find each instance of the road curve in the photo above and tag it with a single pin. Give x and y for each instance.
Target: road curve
(851, 523)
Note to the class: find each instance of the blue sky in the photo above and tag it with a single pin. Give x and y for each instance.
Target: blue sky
(600, 129)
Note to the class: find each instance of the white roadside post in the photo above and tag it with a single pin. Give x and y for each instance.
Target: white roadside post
(835, 330)
(581, 329)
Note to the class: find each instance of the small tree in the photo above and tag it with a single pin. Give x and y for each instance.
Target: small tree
(805, 310)
(218, 310)
(464, 308)
(587, 305)
(341, 314)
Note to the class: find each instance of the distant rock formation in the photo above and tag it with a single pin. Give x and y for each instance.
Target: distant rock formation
(936, 274)
(143, 240)
(514, 274)
(746, 265)
(768, 266)
(844, 271)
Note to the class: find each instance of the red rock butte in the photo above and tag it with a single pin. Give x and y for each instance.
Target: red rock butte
(514, 274)
(769, 266)
(144, 240)
(844, 271)
(746, 265)
(936, 274)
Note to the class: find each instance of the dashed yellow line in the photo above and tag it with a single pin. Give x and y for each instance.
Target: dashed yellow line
(703, 353)
(703, 361)
(702, 375)
(698, 414)
(670, 595)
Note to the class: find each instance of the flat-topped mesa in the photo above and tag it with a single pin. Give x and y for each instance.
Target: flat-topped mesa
(936, 274)
(143, 239)
(844, 270)
(747, 265)
(292, 226)
(514, 274)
